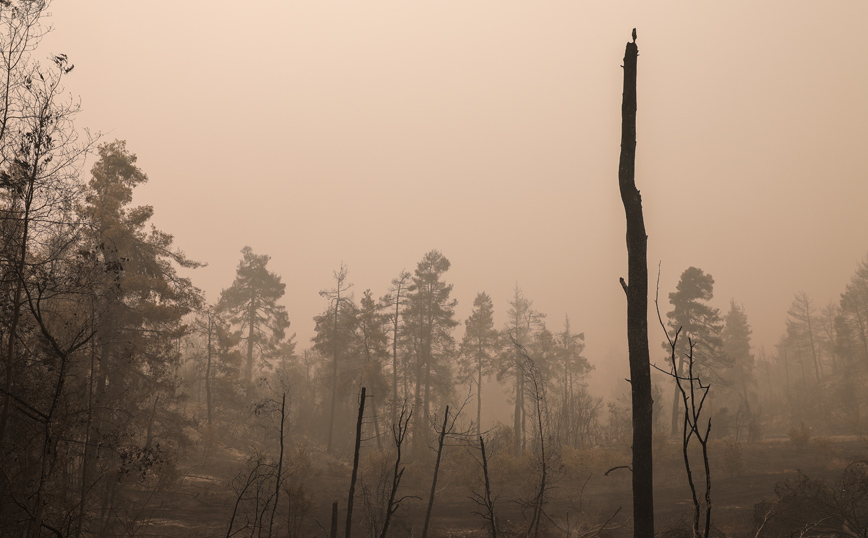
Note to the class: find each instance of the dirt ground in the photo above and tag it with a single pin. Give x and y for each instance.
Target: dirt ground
(201, 503)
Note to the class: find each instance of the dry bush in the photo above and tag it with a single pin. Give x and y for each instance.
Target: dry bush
(814, 507)
(460, 467)
(667, 454)
(733, 458)
(683, 528)
(826, 452)
(376, 463)
(579, 463)
(799, 436)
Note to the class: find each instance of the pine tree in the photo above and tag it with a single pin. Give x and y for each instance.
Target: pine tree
(394, 300)
(479, 348)
(522, 322)
(572, 368)
(250, 304)
(801, 325)
(138, 319)
(738, 391)
(700, 324)
(854, 315)
(429, 320)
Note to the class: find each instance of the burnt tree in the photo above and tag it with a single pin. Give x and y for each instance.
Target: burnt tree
(637, 306)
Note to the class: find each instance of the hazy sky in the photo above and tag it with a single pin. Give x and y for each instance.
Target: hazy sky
(371, 132)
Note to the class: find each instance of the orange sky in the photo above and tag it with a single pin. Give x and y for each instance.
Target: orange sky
(372, 131)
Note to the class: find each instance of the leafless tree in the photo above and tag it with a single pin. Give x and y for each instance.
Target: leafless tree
(484, 500)
(693, 394)
(399, 433)
(637, 308)
(349, 524)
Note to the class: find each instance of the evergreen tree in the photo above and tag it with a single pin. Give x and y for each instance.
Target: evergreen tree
(572, 367)
(479, 348)
(250, 304)
(738, 392)
(522, 322)
(801, 325)
(334, 329)
(138, 321)
(700, 324)
(853, 322)
(428, 323)
(369, 353)
(395, 300)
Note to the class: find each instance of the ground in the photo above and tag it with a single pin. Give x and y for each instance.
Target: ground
(583, 497)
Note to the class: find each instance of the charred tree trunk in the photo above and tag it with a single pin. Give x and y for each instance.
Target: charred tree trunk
(349, 525)
(399, 432)
(486, 500)
(637, 307)
(333, 533)
(335, 350)
(436, 471)
(278, 482)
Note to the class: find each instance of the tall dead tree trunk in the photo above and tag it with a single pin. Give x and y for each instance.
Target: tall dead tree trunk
(279, 481)
(333, 533)
(443, 433)
(399, 433)
(349, 525)
(637, 306)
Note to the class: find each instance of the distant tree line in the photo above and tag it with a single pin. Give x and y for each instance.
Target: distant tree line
(812, 378)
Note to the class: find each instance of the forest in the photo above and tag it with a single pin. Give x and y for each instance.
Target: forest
(133, 406)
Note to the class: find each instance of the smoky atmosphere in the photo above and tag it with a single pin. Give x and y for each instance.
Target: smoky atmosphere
(376, 268)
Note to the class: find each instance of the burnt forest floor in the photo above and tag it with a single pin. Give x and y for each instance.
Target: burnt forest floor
(582, 498)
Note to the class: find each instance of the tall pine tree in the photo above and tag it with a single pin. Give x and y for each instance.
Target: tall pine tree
(479, 348)
(250, 304)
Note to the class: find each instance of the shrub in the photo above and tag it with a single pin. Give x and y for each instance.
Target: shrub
(799, 436)
(733, 458)
(809, 504)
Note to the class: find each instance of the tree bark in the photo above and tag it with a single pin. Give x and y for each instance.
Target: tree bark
(637, 307)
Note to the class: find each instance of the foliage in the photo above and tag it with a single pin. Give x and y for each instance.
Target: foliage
(479, 349)
(522, 322)
(250, 305)
(699, 322)
(738, 390)
(853, 321)
(428, 322)
(733, 458)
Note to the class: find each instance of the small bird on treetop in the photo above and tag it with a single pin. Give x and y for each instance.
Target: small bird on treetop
(634, 35)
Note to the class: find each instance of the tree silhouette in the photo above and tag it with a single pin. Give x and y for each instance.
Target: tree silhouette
(251, 304)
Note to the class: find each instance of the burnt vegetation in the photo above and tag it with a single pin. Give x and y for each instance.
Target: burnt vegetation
(130, 405)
